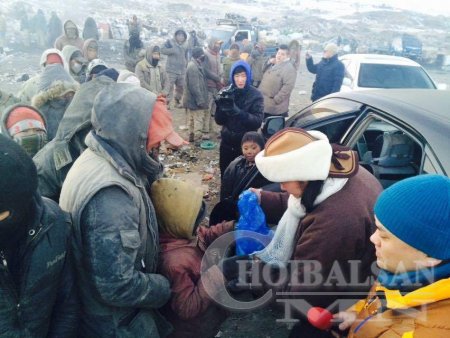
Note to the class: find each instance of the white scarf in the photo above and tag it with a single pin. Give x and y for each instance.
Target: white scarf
(280, 248)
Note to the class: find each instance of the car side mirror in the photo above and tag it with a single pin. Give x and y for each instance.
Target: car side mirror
(272, 125)
(442, 86)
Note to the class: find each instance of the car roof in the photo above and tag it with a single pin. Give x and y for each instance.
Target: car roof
(425, 110)
(380, 59)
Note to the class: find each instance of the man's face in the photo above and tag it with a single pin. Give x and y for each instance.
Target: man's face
(180, 37)
(250, 150)
(71, 32)
(240, 79)
(393, 254)
(281, 56)
(156, 56)
(92, 53)
(216, 46)
(327, 54)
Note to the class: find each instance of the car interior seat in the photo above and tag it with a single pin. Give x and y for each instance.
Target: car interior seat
(395, 158)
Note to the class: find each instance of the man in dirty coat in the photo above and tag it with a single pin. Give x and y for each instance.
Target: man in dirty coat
(115, 228)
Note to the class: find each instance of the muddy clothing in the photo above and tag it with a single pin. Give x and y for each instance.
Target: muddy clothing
(90, 30)
(330, 240)
(191, 310)
(54, 83)
(56, 158)
(116, 233)
(176, 55)
(233, 175)
(257, 61)
(54, 29)
(329, 76)
(64, 40)
(44, 304)
(276, 86)
(403, 315)
(7, 100)
(196, 93)
(227, 63)
(152, 78)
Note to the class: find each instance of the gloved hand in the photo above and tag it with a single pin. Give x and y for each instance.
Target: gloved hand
(168, 44)
(230, 266)
(235, 111)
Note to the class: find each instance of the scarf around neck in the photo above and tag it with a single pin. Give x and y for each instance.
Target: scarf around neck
(280, 248)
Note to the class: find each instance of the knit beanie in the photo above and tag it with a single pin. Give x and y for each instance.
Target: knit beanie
(417, 211)
(18, 182)
(21, 118)
(197, 52)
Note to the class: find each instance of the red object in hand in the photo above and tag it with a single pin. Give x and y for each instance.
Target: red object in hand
(320, 318)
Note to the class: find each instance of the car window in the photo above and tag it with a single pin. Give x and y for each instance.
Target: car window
(388, 152)
(393, 76)
(334, 129)
(323, 109)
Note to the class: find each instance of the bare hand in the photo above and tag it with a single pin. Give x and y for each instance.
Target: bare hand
(257, 192)
(348, 318)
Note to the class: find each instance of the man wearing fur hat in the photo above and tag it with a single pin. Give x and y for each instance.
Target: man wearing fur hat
(37, 284)
(324, 216)
(412, 295)
(329, 72)
(115, 227)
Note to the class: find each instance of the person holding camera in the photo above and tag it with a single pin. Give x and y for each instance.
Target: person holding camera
(239, 109)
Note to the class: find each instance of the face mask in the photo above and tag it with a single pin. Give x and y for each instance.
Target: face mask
(76, 67)
(14, 227)
(154, 62)
(31, 140)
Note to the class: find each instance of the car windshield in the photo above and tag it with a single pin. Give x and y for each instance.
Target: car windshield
(220, 34)
(393, 76)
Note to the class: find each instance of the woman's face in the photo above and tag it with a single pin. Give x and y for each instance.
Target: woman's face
(295, 188)
(250, 150)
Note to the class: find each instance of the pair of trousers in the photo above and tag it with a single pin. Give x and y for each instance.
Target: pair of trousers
(176, 80)
(199, 123)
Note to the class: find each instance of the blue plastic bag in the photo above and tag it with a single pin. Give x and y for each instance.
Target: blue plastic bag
(251, 218)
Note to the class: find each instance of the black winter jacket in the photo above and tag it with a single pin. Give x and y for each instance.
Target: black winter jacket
(45, 303)
(329, 76)
(250, 102)
(233, 175)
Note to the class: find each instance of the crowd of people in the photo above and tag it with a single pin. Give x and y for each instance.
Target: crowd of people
(96, 242)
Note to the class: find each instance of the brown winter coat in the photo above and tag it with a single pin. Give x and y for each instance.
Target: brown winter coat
(152, 78)
(276, 86)
(336, 231)
(212, 66)
(191, 310)
(195, 91)
(417, 318)
(63, 40)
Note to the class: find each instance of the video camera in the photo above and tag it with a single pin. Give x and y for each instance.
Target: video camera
(225, 99)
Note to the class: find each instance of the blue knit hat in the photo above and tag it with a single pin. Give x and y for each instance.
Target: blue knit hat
(417, 211)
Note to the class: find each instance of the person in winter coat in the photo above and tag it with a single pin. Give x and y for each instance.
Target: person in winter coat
(214, 73)
(26, 126)
(294, 51)
(190, 310)
(176, 51)
(324, 216)
(71, 37)
(195, 98)
(90, 49)
(329, 72)
(115, 228)
(56, 90)
(256, 60)
(277, 84)
(90, 30)
(193, 42)
(252, 143)
(133, 51)
(57, 157)
(54, 29)
(244, 113)
(229, 61)
(153, 77)
(77, 63)
(39, 27)
(37, 281)
(411, 297)
(31, 87)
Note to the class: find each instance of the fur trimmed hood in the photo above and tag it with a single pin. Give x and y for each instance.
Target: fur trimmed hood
(54, 83)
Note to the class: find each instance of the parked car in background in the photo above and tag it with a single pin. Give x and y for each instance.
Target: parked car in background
(368, 71)
(397, 133)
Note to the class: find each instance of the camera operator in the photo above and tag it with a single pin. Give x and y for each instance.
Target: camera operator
(239, 110)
